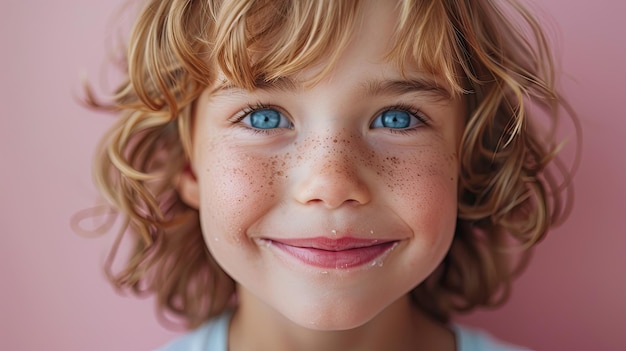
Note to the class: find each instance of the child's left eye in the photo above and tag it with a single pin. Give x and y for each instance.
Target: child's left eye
(266, 118)
(396, 119)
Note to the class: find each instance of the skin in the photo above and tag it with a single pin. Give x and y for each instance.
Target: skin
(330, 170)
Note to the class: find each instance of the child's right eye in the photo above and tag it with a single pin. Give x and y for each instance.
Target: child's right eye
(266, 118)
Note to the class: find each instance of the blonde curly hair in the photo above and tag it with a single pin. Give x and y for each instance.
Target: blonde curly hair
(507, 199)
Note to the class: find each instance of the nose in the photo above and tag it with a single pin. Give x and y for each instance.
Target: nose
(333, 175)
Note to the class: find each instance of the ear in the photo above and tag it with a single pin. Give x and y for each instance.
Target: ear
(186, 184)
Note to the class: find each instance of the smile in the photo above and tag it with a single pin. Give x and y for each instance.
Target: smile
(330, 253)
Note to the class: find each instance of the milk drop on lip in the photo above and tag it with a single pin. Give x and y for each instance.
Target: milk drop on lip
(341, 266)
(377, 263)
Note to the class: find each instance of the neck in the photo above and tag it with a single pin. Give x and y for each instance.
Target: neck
(401, 326)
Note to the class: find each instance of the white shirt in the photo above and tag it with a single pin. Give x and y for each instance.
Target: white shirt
(213, 336)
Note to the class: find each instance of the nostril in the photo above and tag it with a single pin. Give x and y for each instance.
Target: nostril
(324, 190)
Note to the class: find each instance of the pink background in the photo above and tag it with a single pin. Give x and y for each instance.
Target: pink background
(53, 295)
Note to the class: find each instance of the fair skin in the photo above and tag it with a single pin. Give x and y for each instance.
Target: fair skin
(364, 159)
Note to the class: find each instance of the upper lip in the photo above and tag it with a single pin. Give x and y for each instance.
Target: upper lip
(331, 244)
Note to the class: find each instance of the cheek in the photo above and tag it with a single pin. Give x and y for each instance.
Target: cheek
(236, 189)
(420, 175)
(423, 188)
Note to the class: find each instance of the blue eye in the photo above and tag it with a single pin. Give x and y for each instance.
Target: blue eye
(395, 119)
(266, 119)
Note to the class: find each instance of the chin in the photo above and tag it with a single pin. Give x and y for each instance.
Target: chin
(336, 315)
(333, 321)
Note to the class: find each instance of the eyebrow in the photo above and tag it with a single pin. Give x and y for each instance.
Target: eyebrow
(400, 87)
(282, 84)
(372, 87)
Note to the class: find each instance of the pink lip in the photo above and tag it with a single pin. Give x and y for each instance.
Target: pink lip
(339, 253)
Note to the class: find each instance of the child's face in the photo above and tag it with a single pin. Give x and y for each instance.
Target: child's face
(366, 158)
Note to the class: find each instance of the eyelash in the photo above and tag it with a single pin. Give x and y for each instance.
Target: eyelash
(399, 107)
(411, 111)
(250, 109)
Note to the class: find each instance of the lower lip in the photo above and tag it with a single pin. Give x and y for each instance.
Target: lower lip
(344, 259)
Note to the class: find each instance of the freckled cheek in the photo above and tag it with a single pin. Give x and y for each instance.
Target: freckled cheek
(423, 188)
(236, 190)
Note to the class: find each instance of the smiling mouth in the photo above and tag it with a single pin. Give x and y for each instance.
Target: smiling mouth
(330, 253)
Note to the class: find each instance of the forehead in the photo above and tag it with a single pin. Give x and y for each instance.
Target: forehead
(412, 36)
(366, 87)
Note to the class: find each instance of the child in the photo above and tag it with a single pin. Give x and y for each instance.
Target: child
(330, 175)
